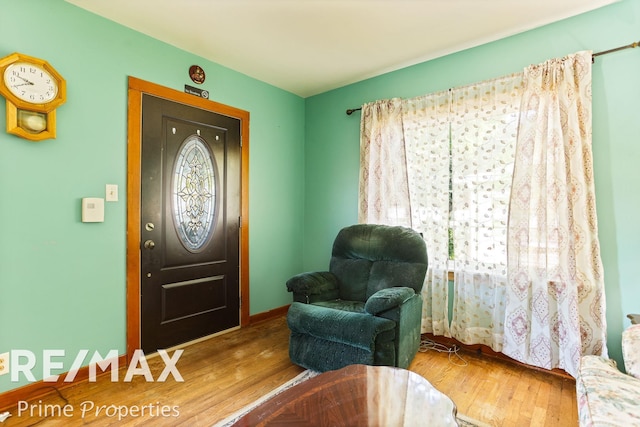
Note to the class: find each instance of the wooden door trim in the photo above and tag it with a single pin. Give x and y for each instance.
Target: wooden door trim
(134, 148)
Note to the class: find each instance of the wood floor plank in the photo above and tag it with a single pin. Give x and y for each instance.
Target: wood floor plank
(227, 372)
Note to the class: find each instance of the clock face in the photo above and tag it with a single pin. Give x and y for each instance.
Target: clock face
(30, 83)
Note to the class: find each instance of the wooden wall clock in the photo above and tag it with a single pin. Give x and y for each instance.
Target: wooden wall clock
(33, 90)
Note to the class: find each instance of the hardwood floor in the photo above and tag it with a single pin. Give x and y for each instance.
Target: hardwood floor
(227, 372)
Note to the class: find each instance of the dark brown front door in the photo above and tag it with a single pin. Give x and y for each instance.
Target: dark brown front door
(189, 223)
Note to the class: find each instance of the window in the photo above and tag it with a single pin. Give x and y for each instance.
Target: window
(462, 143)
(194, 195)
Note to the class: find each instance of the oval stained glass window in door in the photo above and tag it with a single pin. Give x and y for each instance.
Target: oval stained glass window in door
(194, 193)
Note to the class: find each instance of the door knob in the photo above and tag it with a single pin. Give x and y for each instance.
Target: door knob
(149, 244)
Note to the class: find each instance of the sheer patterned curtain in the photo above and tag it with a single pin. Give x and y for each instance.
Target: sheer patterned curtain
(528, 279)
(442, 163)
(386, 176)
(555, 299)
(426, 136)
(484, 124)
(383, 191)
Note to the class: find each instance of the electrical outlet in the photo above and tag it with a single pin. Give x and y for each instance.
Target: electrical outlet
(4, 363)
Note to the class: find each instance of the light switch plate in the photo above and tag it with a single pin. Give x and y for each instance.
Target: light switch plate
(112, 193)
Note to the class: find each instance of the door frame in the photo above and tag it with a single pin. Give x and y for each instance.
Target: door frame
(136, 88)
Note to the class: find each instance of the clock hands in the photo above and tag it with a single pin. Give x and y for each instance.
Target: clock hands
(26, 81)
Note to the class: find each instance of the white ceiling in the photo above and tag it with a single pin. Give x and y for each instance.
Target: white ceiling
(311, 46)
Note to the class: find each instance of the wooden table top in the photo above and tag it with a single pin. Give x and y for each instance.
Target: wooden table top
(357, 395)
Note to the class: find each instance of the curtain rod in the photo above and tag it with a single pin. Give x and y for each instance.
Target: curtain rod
(604, 52)
(350, 111)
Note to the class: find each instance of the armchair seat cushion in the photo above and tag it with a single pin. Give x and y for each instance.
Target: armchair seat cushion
(340, 304)
(329, 324)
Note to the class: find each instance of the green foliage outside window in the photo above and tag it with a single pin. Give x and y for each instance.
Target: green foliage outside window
(451, 252)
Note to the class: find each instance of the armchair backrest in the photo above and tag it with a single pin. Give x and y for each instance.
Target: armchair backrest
(369, 257)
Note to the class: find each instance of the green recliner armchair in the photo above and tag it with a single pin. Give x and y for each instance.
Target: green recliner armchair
(367, 308)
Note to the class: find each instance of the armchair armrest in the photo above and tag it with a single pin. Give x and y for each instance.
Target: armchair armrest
(631, 350)
(386, 299)
(313, 286)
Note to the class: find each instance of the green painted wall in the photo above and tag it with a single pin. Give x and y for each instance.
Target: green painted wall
(62, 282)
(332, 137)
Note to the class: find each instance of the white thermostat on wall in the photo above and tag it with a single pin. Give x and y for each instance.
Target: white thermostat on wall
(92, 209)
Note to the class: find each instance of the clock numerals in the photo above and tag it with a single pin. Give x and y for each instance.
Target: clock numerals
(30, 83)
